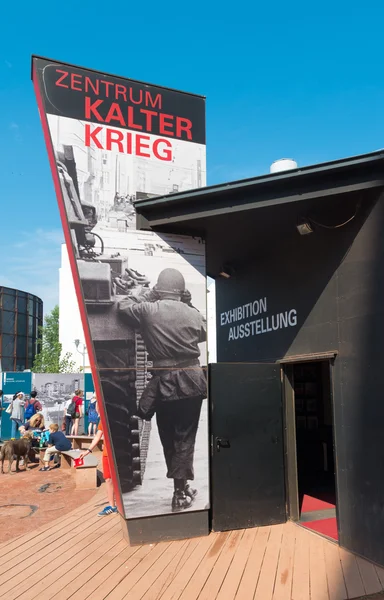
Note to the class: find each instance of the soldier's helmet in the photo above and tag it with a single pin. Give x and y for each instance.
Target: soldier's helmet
(170, 281)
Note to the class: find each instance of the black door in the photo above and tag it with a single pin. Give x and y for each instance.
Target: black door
(247, 470)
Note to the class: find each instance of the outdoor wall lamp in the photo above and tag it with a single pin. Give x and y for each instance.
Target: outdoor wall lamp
(304, 227)
(227, 271)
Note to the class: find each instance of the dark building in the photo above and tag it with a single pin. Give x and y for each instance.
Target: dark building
(21, 315)
(296, 396)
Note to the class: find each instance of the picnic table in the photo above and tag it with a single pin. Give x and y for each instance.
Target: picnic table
(86, 475)
(79, 440)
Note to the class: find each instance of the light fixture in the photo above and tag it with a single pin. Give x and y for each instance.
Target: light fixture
(304, 227)
(227, 271)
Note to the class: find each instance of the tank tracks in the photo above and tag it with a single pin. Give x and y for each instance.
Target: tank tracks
(143, 428)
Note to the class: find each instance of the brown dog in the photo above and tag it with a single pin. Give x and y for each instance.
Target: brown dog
(19, 448)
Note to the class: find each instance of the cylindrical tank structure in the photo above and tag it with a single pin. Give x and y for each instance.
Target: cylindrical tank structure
(21, 316)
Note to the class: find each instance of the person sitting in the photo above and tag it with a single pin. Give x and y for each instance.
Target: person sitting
(35, 423)
(57, 442)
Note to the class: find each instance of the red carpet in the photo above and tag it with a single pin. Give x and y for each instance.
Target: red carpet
(326, 527)
(309, 504)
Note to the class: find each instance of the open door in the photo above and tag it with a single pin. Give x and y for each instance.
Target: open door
(247, 470)
(310, 461)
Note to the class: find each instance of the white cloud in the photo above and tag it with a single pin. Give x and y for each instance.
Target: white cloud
(33, 265)
(16, 131)
(6, 281)
(51, 235)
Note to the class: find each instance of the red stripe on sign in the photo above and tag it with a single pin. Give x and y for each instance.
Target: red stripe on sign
(79, 294)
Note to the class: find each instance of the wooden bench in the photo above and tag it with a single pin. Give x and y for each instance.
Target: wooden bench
(85, 476)
(79, 440)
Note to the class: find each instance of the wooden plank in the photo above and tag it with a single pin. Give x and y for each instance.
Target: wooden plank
(352, 577)
(220, 569)
(30, 583)
(317, 569)
(266, 582)
(300, 579)
(24, 548)
(154, 578)
(251, 573)
(12, 547)
(108, 577)
(335, 575)
(283, 583)
(138, 572)
(235, 572)
(60, 523)
(380, 574)
(369, 576)
(46, 537)
(191, 546)
(176, 587)
(145, 553)
(58, 543)
(83, 567)
(198, 579)
(168, 575)
(86, 577)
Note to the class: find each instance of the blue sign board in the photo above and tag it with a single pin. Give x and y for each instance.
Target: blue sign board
(10, 384)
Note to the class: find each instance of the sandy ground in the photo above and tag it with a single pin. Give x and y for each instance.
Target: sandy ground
(29, 499)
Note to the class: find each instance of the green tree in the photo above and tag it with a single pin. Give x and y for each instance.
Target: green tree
(48, 358)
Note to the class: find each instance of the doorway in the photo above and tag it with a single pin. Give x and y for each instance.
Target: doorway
(310, 447)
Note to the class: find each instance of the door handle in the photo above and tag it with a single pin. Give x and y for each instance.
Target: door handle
(222, 443)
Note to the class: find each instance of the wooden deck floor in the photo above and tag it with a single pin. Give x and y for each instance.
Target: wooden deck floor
(82, 556)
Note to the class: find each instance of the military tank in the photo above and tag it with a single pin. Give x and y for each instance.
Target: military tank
(122, 360)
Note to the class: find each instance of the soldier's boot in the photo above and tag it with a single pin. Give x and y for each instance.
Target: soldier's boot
(190, 492)
(180, 500)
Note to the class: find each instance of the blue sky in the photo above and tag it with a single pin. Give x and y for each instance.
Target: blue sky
(282, 79)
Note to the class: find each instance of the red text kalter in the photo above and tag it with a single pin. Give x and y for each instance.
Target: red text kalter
(155, 122)
(127, 142)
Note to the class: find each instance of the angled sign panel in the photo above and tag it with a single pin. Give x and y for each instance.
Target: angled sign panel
(142, 295)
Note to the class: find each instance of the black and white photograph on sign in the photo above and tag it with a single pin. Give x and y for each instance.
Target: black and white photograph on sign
(54, 392)
(145, 297)
(109, 181)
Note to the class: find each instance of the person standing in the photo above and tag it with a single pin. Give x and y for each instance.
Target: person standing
(17, 413)
(172, 330)
(67, 415)
(32, 406)
(76, 416)
(93, 416)
(111, 507)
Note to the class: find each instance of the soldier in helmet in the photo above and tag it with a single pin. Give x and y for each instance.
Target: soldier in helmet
(172, 330)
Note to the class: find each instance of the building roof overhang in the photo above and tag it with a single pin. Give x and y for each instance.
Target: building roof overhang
(325, 179)
(244, 220)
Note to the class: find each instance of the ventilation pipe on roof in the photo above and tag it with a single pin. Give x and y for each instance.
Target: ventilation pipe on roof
(283, 164)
